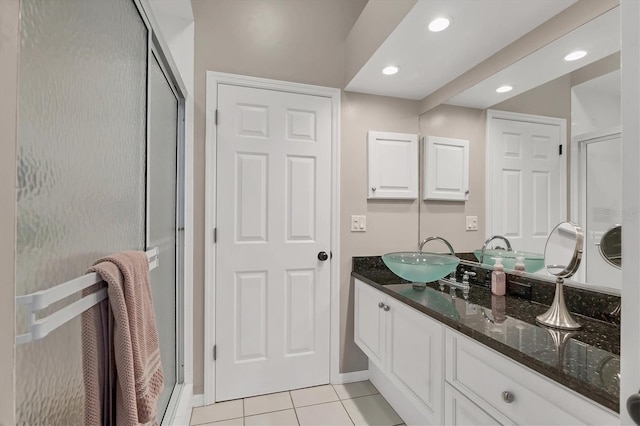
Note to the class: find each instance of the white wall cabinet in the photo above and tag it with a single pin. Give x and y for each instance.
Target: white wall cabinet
(405, 345)
(446, 169)
(392, 165)
(409, 351)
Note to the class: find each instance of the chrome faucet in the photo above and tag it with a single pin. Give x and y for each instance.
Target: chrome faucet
(426, 240)
(453, 284)
(495, 237)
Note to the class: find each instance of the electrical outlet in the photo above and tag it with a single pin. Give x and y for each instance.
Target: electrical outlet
(358, 223)
(472, 223)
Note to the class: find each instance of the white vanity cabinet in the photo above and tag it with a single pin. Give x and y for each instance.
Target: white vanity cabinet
(405, 345)
(461, 411)
(370, 322)
(511, 393)
(392, 165)
(432, 374)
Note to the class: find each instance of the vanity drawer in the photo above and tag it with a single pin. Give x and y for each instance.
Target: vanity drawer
(513, 393)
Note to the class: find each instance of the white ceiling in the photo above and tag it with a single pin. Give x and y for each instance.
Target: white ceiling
(600, 38)
(429, 60)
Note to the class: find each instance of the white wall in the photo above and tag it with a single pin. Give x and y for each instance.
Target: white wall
(595, 104)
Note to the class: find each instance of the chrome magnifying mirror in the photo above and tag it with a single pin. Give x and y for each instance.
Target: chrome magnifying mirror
(562, 256)
(610, 246)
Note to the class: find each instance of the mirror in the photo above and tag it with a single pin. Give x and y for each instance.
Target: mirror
(610, 246)
(563, 251)
(586, 184)
(562, 255)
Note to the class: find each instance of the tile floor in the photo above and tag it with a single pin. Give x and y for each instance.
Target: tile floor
(349, 404)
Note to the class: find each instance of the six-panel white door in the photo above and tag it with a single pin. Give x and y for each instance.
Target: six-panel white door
(272, 289)
(526, 193)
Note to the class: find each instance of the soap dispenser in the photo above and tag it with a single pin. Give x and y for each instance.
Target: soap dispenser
(498, 278)
(520, 264)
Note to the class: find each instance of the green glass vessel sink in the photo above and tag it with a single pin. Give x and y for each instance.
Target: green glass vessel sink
(533, 262)
(420, 267)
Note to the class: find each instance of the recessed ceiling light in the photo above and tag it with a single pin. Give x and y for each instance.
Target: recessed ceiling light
(390, 70)
(574, 56)
(439, 24)
(504, 89)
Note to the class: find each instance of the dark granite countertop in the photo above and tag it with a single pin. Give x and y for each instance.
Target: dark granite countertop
(588, 362)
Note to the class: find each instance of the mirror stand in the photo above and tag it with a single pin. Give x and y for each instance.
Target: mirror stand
(558, 316)
(560, 339)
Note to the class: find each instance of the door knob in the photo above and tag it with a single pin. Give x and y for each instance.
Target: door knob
(633, 407)
(323, 256)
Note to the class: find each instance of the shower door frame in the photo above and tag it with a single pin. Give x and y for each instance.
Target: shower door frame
(158, 47)
(578, 199)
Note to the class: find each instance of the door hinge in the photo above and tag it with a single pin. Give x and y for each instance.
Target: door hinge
(215, 352)
(215, 119)
(215, 235)
(560, 149)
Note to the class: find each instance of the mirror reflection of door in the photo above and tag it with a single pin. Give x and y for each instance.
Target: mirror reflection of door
(526, 195)
(600, 205)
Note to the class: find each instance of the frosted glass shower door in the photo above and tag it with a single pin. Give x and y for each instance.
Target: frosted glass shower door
(162, 161)
(81, 174)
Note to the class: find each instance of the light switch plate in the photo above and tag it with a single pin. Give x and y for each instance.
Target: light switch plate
(472, 223)
(358, 223)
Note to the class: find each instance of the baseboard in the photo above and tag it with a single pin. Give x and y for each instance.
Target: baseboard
(197, 400)
(354, 376)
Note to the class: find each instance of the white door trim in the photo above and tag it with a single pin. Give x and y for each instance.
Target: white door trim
(213, 80)
(490, 153)
(578, 197)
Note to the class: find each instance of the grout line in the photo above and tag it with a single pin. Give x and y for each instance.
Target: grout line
(295, 411)
(347, 411)
(271, 412)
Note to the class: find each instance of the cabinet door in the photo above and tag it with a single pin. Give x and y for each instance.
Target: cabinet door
(393, 165)
(369, 327)
(461, 411)
(415, 358)
(446, 169)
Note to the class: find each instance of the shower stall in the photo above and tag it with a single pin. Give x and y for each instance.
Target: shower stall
(100, 169)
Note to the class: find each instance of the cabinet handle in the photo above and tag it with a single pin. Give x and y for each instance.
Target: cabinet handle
(507, 397)
(386, 308)
(380, 305)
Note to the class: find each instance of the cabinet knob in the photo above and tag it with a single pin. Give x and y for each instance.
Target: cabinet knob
(507, 397)
(380, 305)
(386, 308)
(373, 189)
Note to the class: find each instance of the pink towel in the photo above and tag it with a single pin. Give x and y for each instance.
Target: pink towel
(138, 378)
